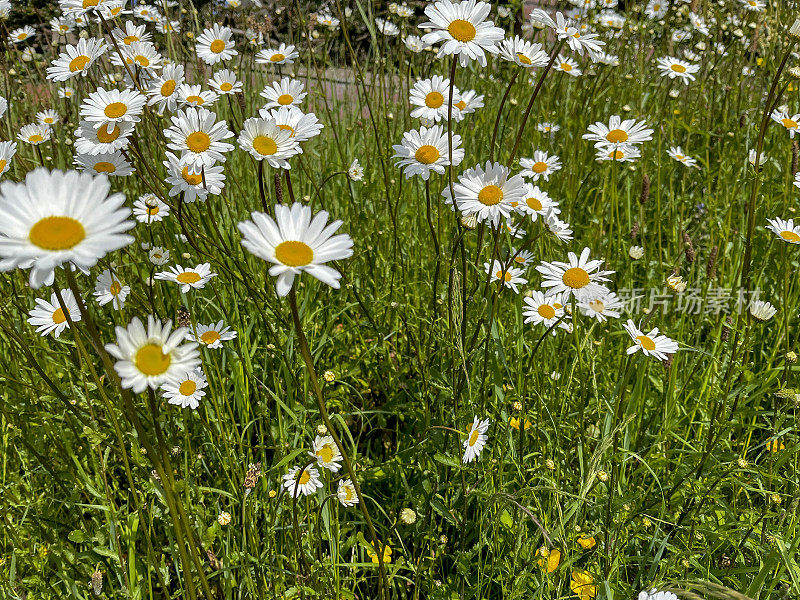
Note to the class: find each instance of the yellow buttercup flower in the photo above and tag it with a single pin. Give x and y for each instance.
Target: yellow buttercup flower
(583, 585)
(550, 559)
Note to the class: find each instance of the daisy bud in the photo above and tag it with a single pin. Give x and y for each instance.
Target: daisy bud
(636, 252)
(322, 430)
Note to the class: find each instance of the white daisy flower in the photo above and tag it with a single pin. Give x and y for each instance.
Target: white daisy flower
(463, 29)
(487, 193)
(113, 164)
(194, 95)
(346, 493)
(560, 229)
(426, 150)
(541, 165)
(225, 82)
(149, 357)
(112, 106)
(656, 9)
(302, 126)
(48, 117)
(283, 93)
(193, 184)
(188, 278)
(211, 336)
(139, 54)
(7, 152)
(536, 202)
(544, 310)
(34, 133)
(106, 139)
(523, 53)
(476, 440)
(547, 127)
(198, 135)
(163, 90)
(785, 230)
(430, 97)
(576, 39)
(305, 481)
(602, 306)
(567, 65)
(186, 390)
(675, 68)
(65, 92)
(579, 276)
(654, 594)
(651, 344)
(791, 123)
(148, 209)
(282, 55)
(521, 258)
(264, 140)
(19, 35)
(108, 288)
(355, 171)
(619, 132)
(677, 153)
(616, 152)
(509, 276)
(215, 45)
(763, 311)
(326, 453)
(49, 317)
(294, 243)
(76, 60)
(132, 33)
(158, 256)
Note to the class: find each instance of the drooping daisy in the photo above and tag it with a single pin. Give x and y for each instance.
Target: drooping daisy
(326, 453)
(163, 90)
(193, 184)
(107, 138)
(215, 45)
(487, 193)
(186, 390)
(57, 217)
(785, 230)
(149, 357)
(675, 68)
(302, 480)
(158, 256)
(49, 317)
(429, 98)
(579, 276)
(507, 275)
(283, 93)
(34, 133)
(264, 140)
(197, 134)
(113, 164)
(282, 55)
(651, 344)
(423, 151)
(7, 152)
(536, 202)
(619, 132)
(476, 440)
(387, 28)
(616, 152)
(567, 65)
(188, 278)
(791, 123)
(112, 106)
(76, 60)
(541, 165)
(19, 35)
(301, 126)
(149, 209)
(463, 29)
(543, 310)
(523, 53)
(601, 307)
(346, 493)
(761, 310)
(294, 243)
(212, 336)
(108, 288)
(560, 229)
(577, 39)
(677, 153)
(225, 82)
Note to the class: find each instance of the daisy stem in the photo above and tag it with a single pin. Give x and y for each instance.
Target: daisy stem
(289, 189)
(500, 114)
(119, 52)
(312, 375)
(435, 239)
(261, 191)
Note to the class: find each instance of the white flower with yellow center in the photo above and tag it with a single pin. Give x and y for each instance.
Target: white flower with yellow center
(76, 60)
(215, 45)
(507, 275)
(619, 132)
(79, 8)
(548, 127)
(753, 5)
(523, 53)
(7, 152)
(429, 98)
(301, 126)
(567, 65)
(283, 93)
(148, 209)
(48, 117)
(108, 288)
(212, 336)
(463, 29)
(34, 133)
(294, 243)
(146, 12)
(225, 82)
(521, 258)
(326, 453)
(194, 185)
(194, 95)
(113, 164)
(17, 36)
(602, 307)
(158, 256)
(544, 310)
(142, 55)
(302, 480)
(188, 278)
(542, 165)
(107, 138)
(198, 135)
(265, 140)
(651, 344)
(536, 202)
(656, 9)
(66, 92)
(49, 317)
(346, 493)
(476, 440)
(163, 90)
(616, 152)
(355, 171)
(132, 33)
(465, 103)
(560, 229)
(678, 154)
(426, 150)
(57, 217)
(149, 357)
(61, 26)
(580, 276)
(112, 106)
(187, 390)
(489, 194)
(675, 68)
(785, 230)
(790, 122)
(168, 26)
(282, 55)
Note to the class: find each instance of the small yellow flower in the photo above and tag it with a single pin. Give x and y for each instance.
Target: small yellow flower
(775, 446)
(387, 554)
(272, 493)
(514, 422)
(587, 542)
(550, 559)
(583, 585)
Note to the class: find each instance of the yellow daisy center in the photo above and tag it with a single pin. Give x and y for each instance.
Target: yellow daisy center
(198, 100)
(187, 388)
(226, 87)
(678, 68)
(304, 478)
(264, 145)
(285, 99)
(427, 154)
(566, 67)
(58, 316)
(789, 123)
(539, 167)
(576, 278)
(36, 138)
(286, 128)
(506, 277)
(191, 178)
(546, 311)
(616, 155)
(646, 342)
(104, 167)
(473, 437)
(524, 59)
(460, 105)
(168, 87)
(152, 209)
(490, 195)
(129, 39)
(115, 110)
(325, 453)
(434, 100)
(217, 46)
(294, 254)
(462, 30)
(151, 361)
(78, 63)
(790, 236)
(198, 141)
(597, 306)
(141, 60)
(533, 203)
(115, 288)
(209, 337)
(188, 277)
(277, 57)
(617, 136)
(57, 233)
(3, 164)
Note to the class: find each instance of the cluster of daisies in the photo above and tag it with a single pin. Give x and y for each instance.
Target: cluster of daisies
(306, 480)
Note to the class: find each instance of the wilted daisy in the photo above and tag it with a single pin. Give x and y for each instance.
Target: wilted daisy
(560, 229)
(346, 493)
(188, 278)
(536, 202)
(761, 310)
(791, 123)
(163, 90)
(198, 135)
(675, 68)
(294, 242)
(463, 29)
(488, 193)
(264, 140)
(476, 440)
(425, 150)
(225, 82)
(149, 357)
(619, 132)
(282, 55)
(34, 133)
(326, 453)
(185, 390)
(113, 164)
(194, 95)
(57, 217)
(108, 288)
(112, 106)
(76, 60)
(7, 152)
(49, 317)
(386, 27)
(677, 153)
(785, 230)
(543, 310)
(509, 276)
(579, 276)
(283, 93)
(541, 165)
(150, 209)
(215, 44)
(302, 480)
(523, 53)
(301, 126)
(107, 138)
(212, 336)
(193, 184)
(651, 344)
(602, 307)
(616, 152)
(429, 98)
(567, 65)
